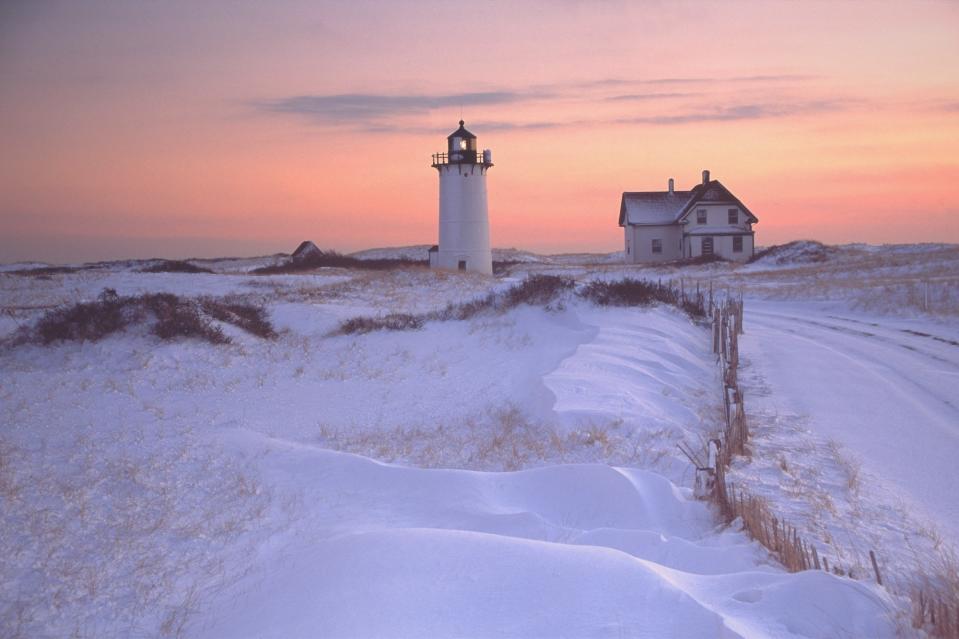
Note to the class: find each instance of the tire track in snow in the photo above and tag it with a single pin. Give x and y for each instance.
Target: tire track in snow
(888, 401)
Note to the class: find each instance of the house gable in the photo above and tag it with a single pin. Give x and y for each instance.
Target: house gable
(713, 192)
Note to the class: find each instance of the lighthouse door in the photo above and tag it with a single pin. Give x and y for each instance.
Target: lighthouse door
(462, 265)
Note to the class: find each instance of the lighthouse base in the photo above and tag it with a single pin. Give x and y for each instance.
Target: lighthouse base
(471, 261)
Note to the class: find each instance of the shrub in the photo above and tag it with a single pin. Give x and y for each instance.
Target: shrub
(85, 321)
(174, 266)
(501, 267)
(250, 318)
(466, 310)
(627, 292)
(536, 290)
(632, 292)
(391, 322)
(45, 271)
(169, 317)
(539, 290)
(334, 259)
(181, 318)
(695, 308)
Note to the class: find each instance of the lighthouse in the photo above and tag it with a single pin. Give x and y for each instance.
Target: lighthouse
(464, 216)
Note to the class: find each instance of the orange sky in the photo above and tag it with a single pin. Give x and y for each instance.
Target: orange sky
(183, 129)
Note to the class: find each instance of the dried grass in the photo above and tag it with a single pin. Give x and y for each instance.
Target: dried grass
(109, 534)
(503, 438)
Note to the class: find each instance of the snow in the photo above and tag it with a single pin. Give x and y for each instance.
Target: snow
(418, 253)
(573, 550)
(887, 391)
(866, 420)
(512, 475)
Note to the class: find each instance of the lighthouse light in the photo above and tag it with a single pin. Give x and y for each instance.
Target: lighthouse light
(463, 144)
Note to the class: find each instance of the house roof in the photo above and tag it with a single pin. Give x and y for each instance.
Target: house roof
(652, 207)
(305, 248)
(663, 207)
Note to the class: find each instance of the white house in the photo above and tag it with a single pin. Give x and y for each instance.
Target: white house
(464, 216)
(661, 226)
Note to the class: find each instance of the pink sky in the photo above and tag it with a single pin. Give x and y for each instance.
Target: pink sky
(182, 129)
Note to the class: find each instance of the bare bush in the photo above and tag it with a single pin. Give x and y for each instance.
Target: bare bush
(539, 290)
(169, 317)
(391, 322)
(252, 319)
(176, 317)
(334, 259)
(633, 292)
(85, 321)
(174, 266)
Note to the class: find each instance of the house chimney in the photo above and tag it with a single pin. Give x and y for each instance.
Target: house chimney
(705, 176)
(670, 186)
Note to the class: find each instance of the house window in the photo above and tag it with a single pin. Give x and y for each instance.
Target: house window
(737, 243)
(707, 246)
(701, 216)
(734, 216)
(657, 246)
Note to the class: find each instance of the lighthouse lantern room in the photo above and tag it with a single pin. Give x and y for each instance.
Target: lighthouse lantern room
(464, 215)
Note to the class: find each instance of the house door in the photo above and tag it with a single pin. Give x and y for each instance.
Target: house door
(462, 265)
(707, 246)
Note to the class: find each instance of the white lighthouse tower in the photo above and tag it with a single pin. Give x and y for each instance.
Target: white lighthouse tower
(464, 216)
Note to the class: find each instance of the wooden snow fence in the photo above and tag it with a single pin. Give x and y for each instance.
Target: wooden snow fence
(936, 613)
(776, 534)
(780, 538)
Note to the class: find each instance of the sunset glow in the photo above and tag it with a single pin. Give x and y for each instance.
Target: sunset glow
(182, 129)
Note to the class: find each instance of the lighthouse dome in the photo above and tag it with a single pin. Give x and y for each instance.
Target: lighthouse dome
(461, 133)
(461, 145)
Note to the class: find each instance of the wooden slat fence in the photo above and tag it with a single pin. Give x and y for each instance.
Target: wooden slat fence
(935, 613)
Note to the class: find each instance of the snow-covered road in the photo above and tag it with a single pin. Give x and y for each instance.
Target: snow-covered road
(887, 389)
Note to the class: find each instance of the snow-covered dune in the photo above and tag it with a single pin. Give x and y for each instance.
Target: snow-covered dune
(574, 550)
(211, 489)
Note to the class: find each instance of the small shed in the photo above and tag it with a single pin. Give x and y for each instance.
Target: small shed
(305, 252)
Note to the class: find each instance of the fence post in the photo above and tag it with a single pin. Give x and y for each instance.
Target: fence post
(739, 324)
(875, 566)
(716, 321)
(723, 331)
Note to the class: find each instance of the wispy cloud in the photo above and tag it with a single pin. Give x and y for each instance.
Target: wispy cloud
(741, 112)
(369, 108)
(738, 112)
(645, 97)
(689, 80)
(739, 79)
(379, 113)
